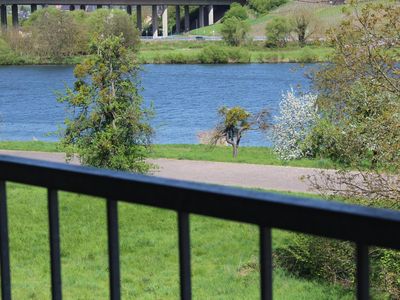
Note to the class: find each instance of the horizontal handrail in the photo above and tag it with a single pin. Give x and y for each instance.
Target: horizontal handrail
(370, 226)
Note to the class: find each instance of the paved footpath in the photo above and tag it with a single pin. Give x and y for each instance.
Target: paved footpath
(234, 174)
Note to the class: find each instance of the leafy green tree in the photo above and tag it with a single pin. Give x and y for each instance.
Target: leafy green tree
(236, 10)
(302, 25)
(234, 122)
(277, 32)
(235, 32)
(359, 104)
(359, 93)
(114, 22)
(108, 125)
(54, 34)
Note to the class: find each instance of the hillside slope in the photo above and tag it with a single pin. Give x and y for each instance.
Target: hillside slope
(324, 17)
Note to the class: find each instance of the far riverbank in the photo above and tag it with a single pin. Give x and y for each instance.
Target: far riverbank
(191, 52)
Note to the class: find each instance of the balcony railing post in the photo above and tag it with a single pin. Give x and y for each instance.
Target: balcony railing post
(265, 263)
(184, 255)
(4, 247)
(362, 272)
(54, 231)
(113, 249)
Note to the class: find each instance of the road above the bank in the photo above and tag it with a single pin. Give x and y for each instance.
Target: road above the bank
(267, 177)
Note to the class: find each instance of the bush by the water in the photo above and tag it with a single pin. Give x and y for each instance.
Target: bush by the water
(55, 34)
(221, 55)
(113, 22)
(49, 33)
(277, 32)
(235, 32)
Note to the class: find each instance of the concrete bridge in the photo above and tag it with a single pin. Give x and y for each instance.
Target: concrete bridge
(206, 10)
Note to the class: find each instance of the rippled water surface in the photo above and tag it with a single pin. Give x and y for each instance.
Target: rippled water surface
(185, 97)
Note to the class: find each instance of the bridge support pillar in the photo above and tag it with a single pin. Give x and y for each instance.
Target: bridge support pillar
(99, 6)
(82, 7)
(3, 15)
(14, 13)
(178, 19)
(187, 18)
(165, 21)
(154, 20)
(72, 7)
(210, 14)
(201, 16)
(33, 8)
(129, 9)
(139, 17)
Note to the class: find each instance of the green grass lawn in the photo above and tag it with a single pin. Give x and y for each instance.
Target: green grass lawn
(251, 155)
(224, 254)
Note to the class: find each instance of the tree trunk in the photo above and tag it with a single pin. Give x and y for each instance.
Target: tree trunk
(235, 150)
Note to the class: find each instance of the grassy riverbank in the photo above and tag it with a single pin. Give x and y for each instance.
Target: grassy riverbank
(196, 52)
(224, 254)
(251, 155)
(189, 52)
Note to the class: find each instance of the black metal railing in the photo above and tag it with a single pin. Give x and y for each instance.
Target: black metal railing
(361, 225)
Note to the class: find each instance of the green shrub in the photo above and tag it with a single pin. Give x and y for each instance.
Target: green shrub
(333, 261)
(239, 55)
(53, 33)
(315, 257)
(214, 55)
(235, 32)
(107, 125)
(277, 32)
(107, 23)
(263, 6)
(236, 11)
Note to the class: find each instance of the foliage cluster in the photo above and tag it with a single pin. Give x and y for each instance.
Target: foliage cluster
(112, 22)
(298, 114)
(54, 34)
(108, 125)
(236, 11)
(221, 55)
(235, 32)
(300, 26)
(234, 122)
(277, 32)
(264, 6)
(359, 108)
(302, 23)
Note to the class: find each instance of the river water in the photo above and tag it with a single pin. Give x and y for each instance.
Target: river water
(186, 98)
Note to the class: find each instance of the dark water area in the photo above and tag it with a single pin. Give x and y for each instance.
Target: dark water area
(185, 97)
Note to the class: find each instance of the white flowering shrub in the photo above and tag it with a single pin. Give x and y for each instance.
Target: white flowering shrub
(297, 114)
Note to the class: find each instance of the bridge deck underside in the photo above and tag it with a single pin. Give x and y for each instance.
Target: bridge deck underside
(117, 2)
